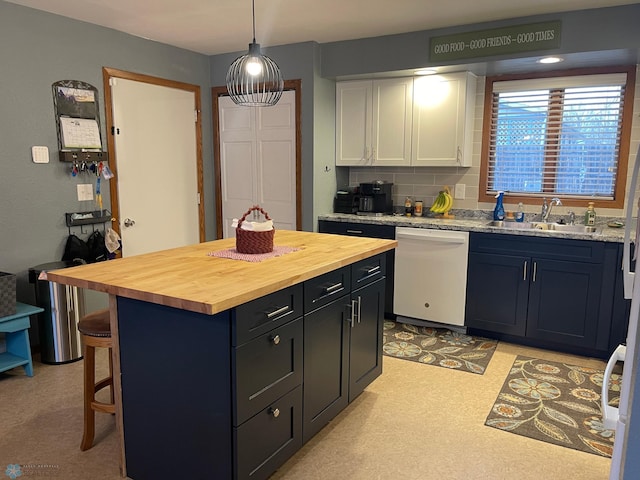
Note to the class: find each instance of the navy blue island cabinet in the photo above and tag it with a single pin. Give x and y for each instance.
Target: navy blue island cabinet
(546, 292)
(224, 374)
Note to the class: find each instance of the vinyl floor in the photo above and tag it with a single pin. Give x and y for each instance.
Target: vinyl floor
(415, 422)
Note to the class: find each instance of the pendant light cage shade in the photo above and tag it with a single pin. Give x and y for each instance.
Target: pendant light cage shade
(254, 80)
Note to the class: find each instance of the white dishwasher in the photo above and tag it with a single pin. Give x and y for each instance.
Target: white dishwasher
(430, 277)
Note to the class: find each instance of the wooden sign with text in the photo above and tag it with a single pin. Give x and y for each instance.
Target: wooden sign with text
(496, 41)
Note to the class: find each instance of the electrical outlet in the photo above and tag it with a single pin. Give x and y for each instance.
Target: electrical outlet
(460, 191)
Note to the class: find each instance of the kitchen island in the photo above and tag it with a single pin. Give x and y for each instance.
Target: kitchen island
(224, 367)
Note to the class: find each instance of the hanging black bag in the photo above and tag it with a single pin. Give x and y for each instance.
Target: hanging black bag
(97, 248)
(75, 249)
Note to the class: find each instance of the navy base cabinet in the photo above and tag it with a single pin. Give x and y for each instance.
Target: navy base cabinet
(546, 292)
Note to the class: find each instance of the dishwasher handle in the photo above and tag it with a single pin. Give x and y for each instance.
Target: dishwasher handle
(431, 238)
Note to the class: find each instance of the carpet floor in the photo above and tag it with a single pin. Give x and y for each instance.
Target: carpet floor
(557, 403)
(437, 346)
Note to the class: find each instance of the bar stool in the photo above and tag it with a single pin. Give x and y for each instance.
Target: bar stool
(95, 333)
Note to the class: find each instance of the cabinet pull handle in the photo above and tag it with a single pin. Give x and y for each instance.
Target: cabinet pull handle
(275, 412)
(524, 272)
(359, 307)
(535, 270)
(353, 313)
(373, 270)
(275, 339)
(278, 311)
(357, 232)
(331, 290)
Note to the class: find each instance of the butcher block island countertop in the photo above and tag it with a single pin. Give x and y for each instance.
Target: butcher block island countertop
(190, 279)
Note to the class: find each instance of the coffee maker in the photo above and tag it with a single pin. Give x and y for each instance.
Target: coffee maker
(375, 198)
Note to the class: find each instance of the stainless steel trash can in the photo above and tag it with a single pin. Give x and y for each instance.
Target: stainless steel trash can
(58, 325)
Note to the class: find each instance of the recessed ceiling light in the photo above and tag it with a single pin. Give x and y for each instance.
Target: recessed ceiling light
(550, 60)
(426, 71)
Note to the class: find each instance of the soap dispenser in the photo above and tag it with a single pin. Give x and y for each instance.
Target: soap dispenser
(498, 212)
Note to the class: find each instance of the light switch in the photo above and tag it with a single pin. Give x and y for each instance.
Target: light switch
(40, 154)
(85, 192)
(460, 191)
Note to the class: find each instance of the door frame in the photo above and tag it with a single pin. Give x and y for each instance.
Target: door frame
(107, 74)
(217, 92)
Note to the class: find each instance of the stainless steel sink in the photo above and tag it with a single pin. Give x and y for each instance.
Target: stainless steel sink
(510, 225)
(545, 226)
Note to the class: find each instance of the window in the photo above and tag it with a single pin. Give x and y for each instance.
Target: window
(564, 135)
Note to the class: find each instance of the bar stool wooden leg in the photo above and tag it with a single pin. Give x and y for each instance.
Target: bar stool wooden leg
(111, 389)
(89, 353)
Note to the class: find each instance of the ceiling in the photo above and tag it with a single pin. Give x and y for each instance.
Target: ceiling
(221, 26)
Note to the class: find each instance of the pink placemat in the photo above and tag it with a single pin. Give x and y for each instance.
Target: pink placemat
(233, 254)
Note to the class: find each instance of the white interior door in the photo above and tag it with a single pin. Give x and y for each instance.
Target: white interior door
(258, 161)
(157, 166)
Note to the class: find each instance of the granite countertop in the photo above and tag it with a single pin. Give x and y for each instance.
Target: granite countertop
(470, 224)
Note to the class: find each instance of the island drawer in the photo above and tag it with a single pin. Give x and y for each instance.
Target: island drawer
(263, 314)
(268, 439)
(266, 368)
(324, 289)
(368, 271)
(357, 229)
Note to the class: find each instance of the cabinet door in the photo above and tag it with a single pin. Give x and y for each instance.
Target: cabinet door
(353, 122)
(564, 300)
(392, 120)
(497, 293)
(326, 357)
(365, 358)
(442, 120)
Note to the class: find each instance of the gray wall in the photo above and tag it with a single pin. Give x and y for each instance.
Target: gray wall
(36, 50)
(593, 30)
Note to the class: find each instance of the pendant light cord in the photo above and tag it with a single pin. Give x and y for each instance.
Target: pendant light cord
(253, 10)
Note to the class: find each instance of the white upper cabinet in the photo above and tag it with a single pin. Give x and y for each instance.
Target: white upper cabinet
(373, 122)
(443, 115)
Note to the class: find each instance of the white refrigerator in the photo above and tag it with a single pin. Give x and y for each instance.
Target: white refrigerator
(625, 461)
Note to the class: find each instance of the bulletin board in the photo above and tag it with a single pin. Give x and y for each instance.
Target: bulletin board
(78, 121)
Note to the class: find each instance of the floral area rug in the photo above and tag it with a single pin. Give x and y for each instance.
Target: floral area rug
(437, 346)
(556, 403)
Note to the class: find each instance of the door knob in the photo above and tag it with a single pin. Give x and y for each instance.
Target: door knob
(129, 223)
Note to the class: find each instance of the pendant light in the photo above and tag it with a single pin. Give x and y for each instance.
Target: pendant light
(254, 80)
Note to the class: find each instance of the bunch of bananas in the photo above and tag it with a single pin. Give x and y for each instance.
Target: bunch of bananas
(443, 202)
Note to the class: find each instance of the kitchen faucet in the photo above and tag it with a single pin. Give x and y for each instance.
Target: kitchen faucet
(546, 207)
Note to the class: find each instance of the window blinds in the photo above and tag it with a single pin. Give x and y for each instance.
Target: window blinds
(556, 135)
